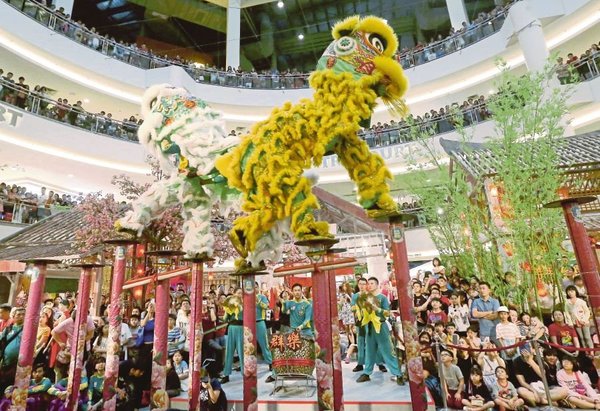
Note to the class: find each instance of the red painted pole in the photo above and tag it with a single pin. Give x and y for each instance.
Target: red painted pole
(338, 382)
(78, 337)
(414, 365)
(250, 387)
(30, 328)
(114, 334)
(196, 333)
(324, 348)
(584, 253)
(158, 393)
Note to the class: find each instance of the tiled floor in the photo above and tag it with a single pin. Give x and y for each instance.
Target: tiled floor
(378, 394)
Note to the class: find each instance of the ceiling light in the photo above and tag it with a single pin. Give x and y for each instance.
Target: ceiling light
(280, 4)
(70, 175)
(300, 36)
(86, 100)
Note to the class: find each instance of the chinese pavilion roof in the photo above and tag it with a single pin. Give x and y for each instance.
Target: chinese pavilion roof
(579, 159)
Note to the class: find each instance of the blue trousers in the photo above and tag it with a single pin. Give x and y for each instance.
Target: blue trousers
(261, 339)
(379, 344)
(235, 342)
(360, 343)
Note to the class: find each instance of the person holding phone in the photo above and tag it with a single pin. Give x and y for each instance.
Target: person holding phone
(212, 396)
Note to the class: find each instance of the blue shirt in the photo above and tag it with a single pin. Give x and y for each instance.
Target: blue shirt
(487, 328)
(262, 305)
(300, 315)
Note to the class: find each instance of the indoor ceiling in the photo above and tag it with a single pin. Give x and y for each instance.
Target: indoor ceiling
(269, 33)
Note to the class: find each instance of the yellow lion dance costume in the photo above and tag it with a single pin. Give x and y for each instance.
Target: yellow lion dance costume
(268, 165)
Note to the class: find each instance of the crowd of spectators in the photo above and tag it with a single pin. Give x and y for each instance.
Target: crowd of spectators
(39, 101)
(21, 206)
(471, 111)
(140, 55)
(477, 350)
(486, 358)
(584, 67)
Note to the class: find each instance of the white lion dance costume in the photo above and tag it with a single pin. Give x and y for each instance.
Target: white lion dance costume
(186, 136)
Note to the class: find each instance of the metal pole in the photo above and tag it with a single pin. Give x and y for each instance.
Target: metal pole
(30, 328)
(249, 366)
(414, 364)
(78, 337)
(338, 382)
(195, 333)
(540, 364)
(441, 374)
(113, 349)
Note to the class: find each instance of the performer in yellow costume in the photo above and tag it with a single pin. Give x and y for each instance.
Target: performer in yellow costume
(268, 165)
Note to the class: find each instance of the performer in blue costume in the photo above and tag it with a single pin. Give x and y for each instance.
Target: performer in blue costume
(262, 305)
(374, 312)
(300, 312)
(234, 315)
(362, 330)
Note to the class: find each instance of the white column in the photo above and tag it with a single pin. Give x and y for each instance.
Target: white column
(458, 13)
(377, 267)
(530, 35)
(232, 56)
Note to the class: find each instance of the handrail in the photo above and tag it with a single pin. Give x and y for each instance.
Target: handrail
(21, 211)
(39, 104)
(145, 59)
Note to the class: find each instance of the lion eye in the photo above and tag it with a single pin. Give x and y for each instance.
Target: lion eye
(377, 41)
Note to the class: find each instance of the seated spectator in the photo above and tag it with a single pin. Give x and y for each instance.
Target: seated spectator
(173, 383)
(489, 361)
(453, 380)
(182, 370)
(563, 334)
(529, 376)
(504, 393)
(580, 391)
(477, 396)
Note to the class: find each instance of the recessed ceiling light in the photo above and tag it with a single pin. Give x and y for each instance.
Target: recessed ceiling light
(280, 4)
(70, 175)
(86, 100)
(300, 36)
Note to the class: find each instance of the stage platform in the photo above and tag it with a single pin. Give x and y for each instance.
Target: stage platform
(379, 394)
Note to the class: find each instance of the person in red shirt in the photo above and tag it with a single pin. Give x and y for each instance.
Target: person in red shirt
(5, 319)
(563, 334)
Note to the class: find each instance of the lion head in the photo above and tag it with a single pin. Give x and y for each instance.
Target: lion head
(365, 47)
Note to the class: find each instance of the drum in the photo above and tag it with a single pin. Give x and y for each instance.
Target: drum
(292, 354)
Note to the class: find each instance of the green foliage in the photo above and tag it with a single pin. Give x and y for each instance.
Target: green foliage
(528, 113)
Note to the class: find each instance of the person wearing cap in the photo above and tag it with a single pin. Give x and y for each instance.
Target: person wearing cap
(507, 334)
(5, 319)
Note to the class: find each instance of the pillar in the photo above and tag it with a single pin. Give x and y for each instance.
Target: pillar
(584, 253)
(158, 390)
(250, 365)
(457, 12)
(414, 365)
(78, 337)
(232, 53)
(195, 333)
(30, 328)
(530, 35)
(114, 320)
(338, 382)
(325, 350)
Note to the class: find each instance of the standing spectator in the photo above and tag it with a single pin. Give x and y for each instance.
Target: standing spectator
(5, 319)
(580, 313)
(175, 336)
(21, 92)
(458, 312)
(484, 308)
(10, 339)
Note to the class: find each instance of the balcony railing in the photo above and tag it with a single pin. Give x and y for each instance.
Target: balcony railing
(39, 103)
(145, 59)
(26, 212)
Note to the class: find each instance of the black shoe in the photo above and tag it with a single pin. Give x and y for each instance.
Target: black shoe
(363, 378)
(358, 368)
(382, 368)
(237, 369)
(270, 367)
(225, 380)
(270, 378)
